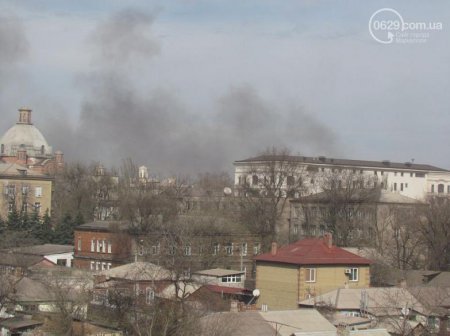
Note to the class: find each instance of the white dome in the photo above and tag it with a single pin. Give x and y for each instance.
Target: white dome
(28, 136)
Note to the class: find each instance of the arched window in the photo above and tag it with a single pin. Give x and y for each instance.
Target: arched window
(254, 179)
(440, 188)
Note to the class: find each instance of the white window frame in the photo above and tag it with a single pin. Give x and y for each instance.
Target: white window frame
(235, 278)
(216, 248)
(229, 249)
(79, 244)
(149, 295)
(109, 247)
(92, 265)
(187, 250)
(38, 192)
(354, 274)
(93, 245)
(244, 248)
(310, 273)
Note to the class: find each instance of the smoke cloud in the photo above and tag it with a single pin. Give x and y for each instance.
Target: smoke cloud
(120, 119)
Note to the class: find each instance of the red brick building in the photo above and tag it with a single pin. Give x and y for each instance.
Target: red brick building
(102, 245)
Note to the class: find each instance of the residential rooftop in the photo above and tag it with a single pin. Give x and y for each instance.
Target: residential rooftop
(43, 250)
(218, 272)
(322, 160)
(313, 251)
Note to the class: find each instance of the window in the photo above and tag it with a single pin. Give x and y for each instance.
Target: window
(406, 185)
(440, 188)
(109, 246)
(92, 245)
(3, 149)
(432, 188)
(375, 172)
(10, 189)
(108, 266)
(395, 186)
(395, 173)
(24, 190)
(187, 250)
(243, 249)
(401, 186)
(232, 278)
(256, 248)
(411, 174)
(254, 179)
(61, 262)
(172, 250)
(295, 229)
(155, 249)
(38, 192)
(420, 174)
(353, 276)
(382, 173)
(97, 265)
(37, 207)
(149, 295)
(103, 266)
(216, 248)
(401, 174)
(24, 207)
(79, 244)
(229, 249)
(92, 265)
(310, 274)
(187, 273)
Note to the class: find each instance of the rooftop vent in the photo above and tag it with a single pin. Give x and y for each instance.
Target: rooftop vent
(408, 164)
(386, 162)
(322, 158)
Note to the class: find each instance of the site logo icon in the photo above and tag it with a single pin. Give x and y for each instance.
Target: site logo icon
(387, 26)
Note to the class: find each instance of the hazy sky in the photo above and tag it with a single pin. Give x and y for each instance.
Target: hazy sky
(187, 86)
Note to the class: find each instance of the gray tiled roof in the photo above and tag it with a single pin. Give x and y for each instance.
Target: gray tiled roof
(321, 160)
(42, 250)
(105, 225)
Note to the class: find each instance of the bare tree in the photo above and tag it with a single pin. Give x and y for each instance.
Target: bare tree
(435, 230)
(264, 192)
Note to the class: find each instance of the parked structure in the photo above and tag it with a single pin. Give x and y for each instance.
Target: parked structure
(307, 268)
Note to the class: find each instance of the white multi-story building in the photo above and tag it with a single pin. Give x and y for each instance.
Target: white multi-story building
(409, 179)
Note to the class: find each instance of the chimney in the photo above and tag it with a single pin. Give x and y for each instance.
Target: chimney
(24, 116)
(274, 248)
(328, 239)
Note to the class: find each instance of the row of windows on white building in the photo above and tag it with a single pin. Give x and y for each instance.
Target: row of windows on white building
(230, 249)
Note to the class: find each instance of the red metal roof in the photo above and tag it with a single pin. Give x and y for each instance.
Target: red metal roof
(313, 251)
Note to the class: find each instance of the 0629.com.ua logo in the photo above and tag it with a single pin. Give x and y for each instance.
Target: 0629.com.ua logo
(387, 26)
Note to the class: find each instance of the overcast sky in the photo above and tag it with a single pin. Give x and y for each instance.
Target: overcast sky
(187, 86)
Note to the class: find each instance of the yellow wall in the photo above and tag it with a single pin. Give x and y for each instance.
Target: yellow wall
(283, 285)
(277, 285)
(30, 198)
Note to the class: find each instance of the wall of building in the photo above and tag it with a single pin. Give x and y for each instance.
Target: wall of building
(283, 285)
(22, 190)
(329, 278)
(278, 285)
(115, 249)
(61, 256)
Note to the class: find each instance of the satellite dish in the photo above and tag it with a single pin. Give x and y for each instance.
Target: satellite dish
(405, 311)
(227, 191)
(256, 292)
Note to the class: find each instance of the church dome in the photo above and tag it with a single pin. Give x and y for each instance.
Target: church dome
(24, 135)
